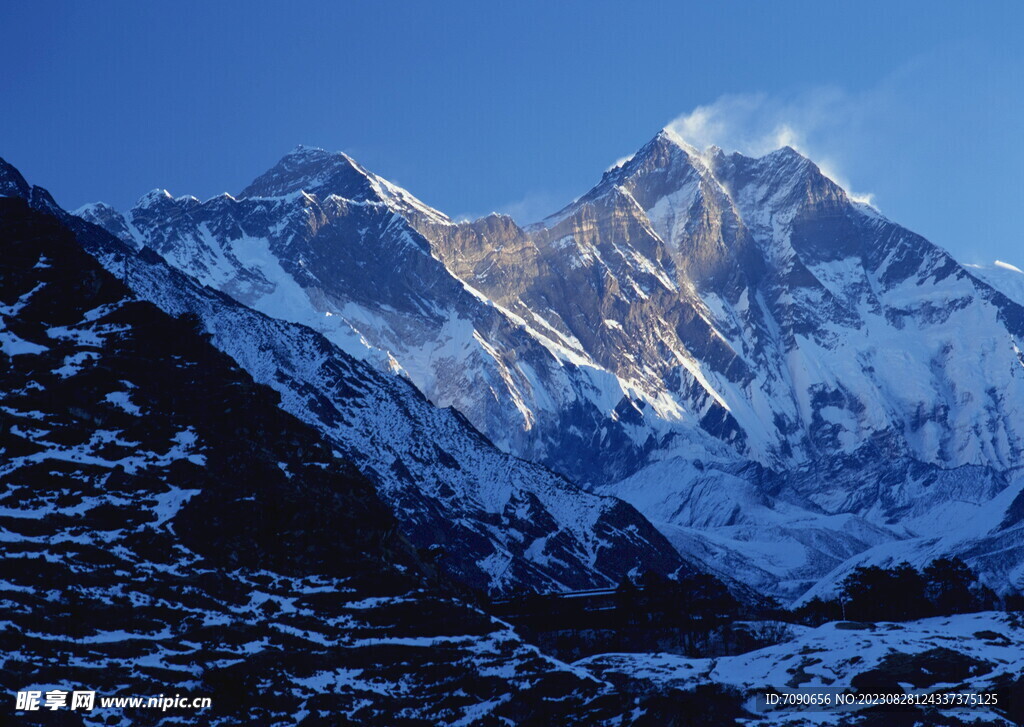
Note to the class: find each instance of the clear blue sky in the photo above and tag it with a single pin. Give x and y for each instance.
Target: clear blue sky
(519, 106)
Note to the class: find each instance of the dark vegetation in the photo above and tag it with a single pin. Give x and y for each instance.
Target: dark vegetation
(696, 615)
(692, 614)
(690, 601)
(945, 587)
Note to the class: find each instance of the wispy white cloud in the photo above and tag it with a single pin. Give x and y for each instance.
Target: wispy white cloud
(757, 123)
(619, 162)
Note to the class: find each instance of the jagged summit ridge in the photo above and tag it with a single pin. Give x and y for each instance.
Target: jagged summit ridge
(322, 173)
(314, 171)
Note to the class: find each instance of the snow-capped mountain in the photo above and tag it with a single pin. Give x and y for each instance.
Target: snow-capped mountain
(794, 306)
(779, 377)
(495, 522)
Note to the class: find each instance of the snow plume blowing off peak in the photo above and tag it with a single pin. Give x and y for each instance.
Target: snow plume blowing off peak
(756, 124)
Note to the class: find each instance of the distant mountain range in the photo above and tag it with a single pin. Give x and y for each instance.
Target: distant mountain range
(783, 381)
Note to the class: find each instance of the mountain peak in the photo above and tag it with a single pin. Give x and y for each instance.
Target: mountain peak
(301, 152)
(323, 173)
(303, 149)
(12, 184)
(153, 198)
(316, 171)
(670, 136)
(786, 155)
(94, 208)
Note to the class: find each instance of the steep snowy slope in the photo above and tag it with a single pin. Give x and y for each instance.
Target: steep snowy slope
(824, 331)
(168, 529)
(1008, 279)
(495, 522)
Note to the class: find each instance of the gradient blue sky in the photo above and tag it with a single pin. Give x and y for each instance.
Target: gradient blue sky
(520, 106)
